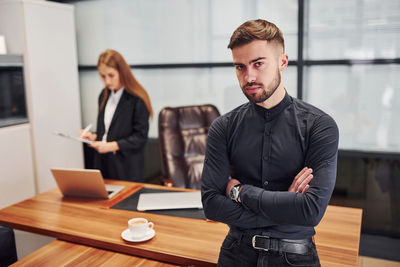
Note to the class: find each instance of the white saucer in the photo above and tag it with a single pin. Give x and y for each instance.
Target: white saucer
(126, 235)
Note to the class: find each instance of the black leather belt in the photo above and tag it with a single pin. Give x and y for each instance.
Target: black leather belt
(266, 243)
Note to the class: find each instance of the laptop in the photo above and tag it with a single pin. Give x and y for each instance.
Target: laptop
(84, 183)
(169, 200)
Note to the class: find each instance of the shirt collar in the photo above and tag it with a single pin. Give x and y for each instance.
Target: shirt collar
(272, 113)
(117, 94)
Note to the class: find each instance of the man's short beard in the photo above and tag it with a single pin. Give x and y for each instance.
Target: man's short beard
(265, 94)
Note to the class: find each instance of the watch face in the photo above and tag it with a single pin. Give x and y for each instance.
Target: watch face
(234, 192)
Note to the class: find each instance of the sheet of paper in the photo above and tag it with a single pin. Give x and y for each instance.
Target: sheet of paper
(76, 138)
(3, 48)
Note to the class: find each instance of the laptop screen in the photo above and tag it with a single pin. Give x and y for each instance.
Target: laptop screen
(83, 183)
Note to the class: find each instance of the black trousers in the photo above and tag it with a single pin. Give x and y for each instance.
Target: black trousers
(234, 252)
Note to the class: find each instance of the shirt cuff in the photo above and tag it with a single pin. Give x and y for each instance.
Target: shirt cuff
(250, 197)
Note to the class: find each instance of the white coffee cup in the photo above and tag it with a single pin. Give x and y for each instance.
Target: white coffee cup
(139, 227)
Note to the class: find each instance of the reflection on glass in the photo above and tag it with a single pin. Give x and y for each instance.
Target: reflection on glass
(12, 97)
(371, 183)
(363, 99)
(174, 31)
(284, 13)
(352, 29)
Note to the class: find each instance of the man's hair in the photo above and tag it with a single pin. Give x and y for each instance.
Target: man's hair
(256, 30)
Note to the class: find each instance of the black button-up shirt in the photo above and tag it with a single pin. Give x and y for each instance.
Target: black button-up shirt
(265, 149)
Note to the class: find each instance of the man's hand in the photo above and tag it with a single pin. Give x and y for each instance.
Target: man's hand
(232, 182)
(301, 182)
(105, 147)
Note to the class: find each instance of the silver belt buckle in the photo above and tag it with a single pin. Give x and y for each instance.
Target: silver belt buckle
(253, 242)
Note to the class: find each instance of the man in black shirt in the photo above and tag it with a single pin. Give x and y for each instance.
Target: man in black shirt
(270, 164)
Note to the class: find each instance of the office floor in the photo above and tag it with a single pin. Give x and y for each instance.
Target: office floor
(373, 262)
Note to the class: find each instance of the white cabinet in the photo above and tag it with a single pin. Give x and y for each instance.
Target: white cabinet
(44, 33)
(16, 165)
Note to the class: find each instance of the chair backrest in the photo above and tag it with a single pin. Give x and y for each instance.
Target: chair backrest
(183, 132)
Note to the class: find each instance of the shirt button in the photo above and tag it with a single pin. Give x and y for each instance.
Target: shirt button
(265, 183)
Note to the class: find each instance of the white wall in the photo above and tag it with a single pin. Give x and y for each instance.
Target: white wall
(174, 31)
(12, 26)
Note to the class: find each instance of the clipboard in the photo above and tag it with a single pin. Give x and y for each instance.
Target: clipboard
(75, 138)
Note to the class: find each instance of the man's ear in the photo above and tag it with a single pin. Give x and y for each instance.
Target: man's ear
(283, 61)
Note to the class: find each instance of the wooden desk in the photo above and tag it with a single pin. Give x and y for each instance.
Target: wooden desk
(338, 236)
(181, 241)
(62, 253)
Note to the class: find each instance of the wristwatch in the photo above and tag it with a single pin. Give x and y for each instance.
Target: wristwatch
(234, 194)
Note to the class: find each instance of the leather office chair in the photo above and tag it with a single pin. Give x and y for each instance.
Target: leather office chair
(8, 252)
(183, 132)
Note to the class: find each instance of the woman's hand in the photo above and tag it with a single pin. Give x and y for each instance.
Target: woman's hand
(87, 135)
(105, 147)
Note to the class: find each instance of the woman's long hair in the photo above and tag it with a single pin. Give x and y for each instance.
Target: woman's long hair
(113, 59)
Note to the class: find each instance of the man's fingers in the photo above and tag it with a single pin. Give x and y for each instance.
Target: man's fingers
(301, 180)
(303, 174)
(304, 183)
(305, 189)
(300, 173)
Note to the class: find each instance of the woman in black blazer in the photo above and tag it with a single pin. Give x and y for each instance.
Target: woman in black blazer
(122, 121)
